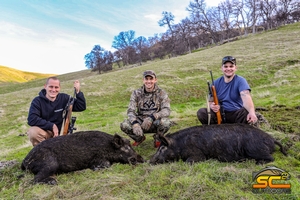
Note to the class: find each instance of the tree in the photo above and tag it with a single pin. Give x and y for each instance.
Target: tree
(267, 10)
(204, 18)
(99, 59)
(124, 43)
(284, 11)
(224, 13)
(156, 48)
(168, 19)
(182, 32)
(243, 15)
(295, 13)
(142, 49)
(254, 4)
(117, 58)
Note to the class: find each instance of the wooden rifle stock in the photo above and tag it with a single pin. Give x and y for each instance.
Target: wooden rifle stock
(214, 92)
(216, 101)
(68, 118)
(69, 114)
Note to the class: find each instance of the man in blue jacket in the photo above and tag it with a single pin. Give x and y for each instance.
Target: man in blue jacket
(45, 116)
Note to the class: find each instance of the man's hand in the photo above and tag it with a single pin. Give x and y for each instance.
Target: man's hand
(55, 130)
(251, 118)
(137, 130)
(156, 116)
(147, 123)
(214, 107)
(77, 86)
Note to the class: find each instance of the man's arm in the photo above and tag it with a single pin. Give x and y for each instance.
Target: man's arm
(248, 105)
(132, 107)
(35, 118)
(79, 102)
(164, 106)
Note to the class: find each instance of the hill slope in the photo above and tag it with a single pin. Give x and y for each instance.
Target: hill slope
(269, 61)
(13, 75)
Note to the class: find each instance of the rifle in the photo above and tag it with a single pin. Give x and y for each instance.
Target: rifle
(213, 92)
(207, 102)
(68, 124)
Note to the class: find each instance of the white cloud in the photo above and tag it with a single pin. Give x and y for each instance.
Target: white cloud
(15, 29)
(153, 17)
(52, 37)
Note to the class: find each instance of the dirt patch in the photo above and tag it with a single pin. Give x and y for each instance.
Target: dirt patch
(282, 118)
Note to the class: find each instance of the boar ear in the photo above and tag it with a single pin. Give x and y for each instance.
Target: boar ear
(118, 141)
(164, 140)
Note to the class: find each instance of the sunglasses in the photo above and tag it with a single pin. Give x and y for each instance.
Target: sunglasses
(228, 59)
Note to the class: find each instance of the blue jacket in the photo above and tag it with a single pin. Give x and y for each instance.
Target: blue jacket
(44, 113)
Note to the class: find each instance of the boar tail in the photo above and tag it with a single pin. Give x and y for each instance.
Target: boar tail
(281, 147)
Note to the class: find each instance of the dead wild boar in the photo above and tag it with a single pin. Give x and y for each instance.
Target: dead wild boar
(81, 150)
(224, 142)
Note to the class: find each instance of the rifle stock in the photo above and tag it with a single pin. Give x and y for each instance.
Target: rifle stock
(68, 118)
(219, 118)
(67, 129)
(216, 101)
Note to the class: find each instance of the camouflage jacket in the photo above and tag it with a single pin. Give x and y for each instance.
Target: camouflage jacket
(143, 104)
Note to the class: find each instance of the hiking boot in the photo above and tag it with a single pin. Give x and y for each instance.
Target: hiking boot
(138, 143)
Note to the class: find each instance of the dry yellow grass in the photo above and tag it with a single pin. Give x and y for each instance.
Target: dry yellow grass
(8, 74)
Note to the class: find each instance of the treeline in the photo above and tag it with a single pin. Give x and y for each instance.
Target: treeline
(204, 26)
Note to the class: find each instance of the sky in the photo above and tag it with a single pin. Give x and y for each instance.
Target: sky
(53, 36)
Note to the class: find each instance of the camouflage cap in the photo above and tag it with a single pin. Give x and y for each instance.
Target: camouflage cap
(149, 73)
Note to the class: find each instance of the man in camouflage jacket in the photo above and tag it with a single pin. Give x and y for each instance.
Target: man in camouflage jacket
(148, 111)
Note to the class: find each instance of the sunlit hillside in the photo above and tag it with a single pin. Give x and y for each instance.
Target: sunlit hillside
(10, 75)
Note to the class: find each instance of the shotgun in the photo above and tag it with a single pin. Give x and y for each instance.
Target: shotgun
(68, 125)
(214, 94)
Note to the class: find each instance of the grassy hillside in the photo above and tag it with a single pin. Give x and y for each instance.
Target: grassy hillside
(10, 75)
(270, 61)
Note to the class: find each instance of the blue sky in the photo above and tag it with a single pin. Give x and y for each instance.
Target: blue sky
(52, 36)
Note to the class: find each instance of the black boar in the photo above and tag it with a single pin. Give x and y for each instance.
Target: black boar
(225, 142)
(81, 150)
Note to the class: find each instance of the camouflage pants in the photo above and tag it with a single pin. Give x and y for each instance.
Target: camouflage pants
(160, 126)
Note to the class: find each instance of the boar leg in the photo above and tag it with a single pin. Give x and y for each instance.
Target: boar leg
(100, 164)
(48, 168)
(195, 158)
(261, 156)
(264, 160)
(48, 180)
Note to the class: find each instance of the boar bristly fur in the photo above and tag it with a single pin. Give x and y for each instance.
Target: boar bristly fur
(77, 151)
(224, 142)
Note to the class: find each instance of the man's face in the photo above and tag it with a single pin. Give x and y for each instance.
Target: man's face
(52, 89)
(228, 69)
(149, 83)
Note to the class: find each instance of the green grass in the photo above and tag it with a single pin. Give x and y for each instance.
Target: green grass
(270, 63)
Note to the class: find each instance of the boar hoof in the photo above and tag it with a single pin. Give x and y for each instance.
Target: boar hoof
(49, 181)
